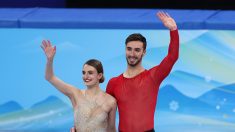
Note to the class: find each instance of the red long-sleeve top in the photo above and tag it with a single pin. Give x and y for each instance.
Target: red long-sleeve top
(136, 97)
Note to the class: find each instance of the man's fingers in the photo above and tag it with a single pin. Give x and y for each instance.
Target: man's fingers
(167, 14)
(159, 14)
(163, 15)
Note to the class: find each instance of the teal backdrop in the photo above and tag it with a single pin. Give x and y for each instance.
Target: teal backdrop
(197, 96)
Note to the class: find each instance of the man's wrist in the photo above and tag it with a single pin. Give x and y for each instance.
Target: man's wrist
(173, 28)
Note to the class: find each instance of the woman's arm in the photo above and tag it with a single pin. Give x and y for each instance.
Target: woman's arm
(63, 87)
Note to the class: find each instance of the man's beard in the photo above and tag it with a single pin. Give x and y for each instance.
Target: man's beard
(133, 64)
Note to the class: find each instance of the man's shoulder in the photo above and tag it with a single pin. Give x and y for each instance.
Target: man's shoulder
(153, 68)
(115, 79)
(112, 84)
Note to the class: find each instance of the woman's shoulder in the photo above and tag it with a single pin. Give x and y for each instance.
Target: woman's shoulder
(110, 99)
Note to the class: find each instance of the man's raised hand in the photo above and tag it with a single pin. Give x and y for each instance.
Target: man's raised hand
(167, 20)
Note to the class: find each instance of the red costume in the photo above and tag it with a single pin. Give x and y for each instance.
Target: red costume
(136, 97)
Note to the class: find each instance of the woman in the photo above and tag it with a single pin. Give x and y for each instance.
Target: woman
(94, 110)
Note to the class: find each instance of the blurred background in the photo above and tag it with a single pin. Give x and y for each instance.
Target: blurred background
(197, 96)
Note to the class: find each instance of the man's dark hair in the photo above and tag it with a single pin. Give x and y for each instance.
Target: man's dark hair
(137, 37)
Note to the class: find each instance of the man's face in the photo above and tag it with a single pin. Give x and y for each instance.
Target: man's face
(134, 52)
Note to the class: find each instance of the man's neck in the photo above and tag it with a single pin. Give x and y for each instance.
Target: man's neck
(133, 71)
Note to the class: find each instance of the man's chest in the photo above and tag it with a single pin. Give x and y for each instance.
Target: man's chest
(126, 92)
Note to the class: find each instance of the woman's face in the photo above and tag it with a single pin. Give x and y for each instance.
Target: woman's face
(90, 75)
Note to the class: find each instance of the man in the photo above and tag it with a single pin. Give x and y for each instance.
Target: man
(136, 90)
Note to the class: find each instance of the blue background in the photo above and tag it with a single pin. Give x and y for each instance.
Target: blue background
(197, 96)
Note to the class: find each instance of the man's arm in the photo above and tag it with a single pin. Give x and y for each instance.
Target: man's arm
(164, 68)
(109, 88)
(63, 87)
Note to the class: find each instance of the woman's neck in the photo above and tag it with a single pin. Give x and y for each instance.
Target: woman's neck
(92, 91)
